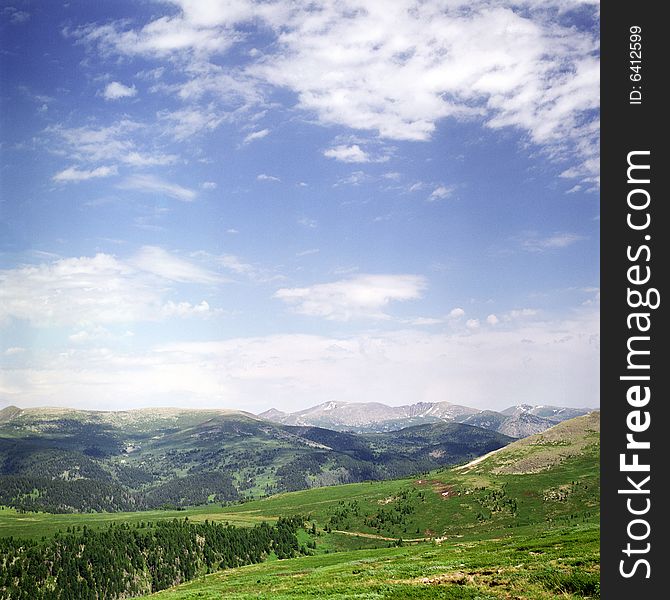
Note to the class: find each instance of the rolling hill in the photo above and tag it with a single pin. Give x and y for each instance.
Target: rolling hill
(63, 460)
(520, 522)
(551, 477)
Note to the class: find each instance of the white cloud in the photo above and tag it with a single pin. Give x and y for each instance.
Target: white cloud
(354, 154)
(355, 179)
(155, 159)
(308, 252)
(118, 143)
(98, 290)
(492, 319)
(234, 264)
(14, 350)
(554, 362)
(187, 122)
(116, 90)
(234, 92)
(73, 174)
(506, 64)
(472, 324)
(362, 296)
(349, 64)
(256, 135)
(266, 177)
(156, 260)
(456, 313)
(535, 243)
(166, 35)
(151, 184)
(208, 185)
(440, 192)
(96, 335)
(349, 154)
(186, 309)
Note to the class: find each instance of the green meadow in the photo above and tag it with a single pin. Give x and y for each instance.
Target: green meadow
(538, 565)
(520, 523)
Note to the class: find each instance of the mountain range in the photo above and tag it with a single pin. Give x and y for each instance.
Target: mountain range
(64, 460)
(374, 417)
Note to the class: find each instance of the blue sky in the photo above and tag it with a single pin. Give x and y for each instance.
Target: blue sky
(251, 204)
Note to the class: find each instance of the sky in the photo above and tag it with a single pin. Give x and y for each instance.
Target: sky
(254, 204)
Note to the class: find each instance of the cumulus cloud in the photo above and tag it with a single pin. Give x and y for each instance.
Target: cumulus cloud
(98, 290)
(73, 174)
(203, 35)
(151, 184)
(506, 64)
(456, 313)
(472, 323)
(349, 154)
(116, 90)
(362, 296)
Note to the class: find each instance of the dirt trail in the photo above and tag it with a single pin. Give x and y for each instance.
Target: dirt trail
(374, 536)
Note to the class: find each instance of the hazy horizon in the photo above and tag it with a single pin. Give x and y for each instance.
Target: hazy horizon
(256, 205)
(237, 409)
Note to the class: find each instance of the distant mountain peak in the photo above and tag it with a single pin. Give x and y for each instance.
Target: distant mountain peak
(369, 417)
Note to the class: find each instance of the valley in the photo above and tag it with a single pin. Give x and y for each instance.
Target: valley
(521, 522)
(63, 460)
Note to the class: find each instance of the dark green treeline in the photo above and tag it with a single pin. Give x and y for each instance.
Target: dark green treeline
(125, 561)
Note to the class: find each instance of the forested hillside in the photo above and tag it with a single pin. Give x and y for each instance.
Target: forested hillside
(61, 460)
(123, 561)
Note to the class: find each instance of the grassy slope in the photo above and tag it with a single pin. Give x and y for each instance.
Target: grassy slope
(532, 567)
(548, 545)
(35, 525)
(522, 523)
(491, 495)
